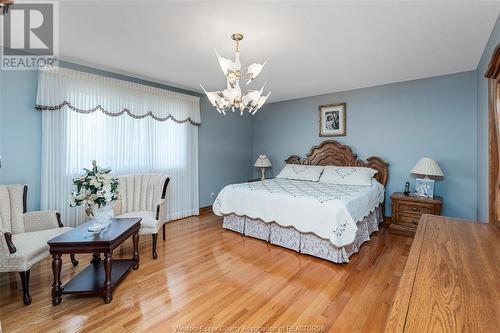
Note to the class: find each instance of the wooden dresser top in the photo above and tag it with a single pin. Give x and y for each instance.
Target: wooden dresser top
(451, 281)
(414, 198)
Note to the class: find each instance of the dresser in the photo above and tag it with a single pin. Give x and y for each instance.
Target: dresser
(450, 280)
(407, 210)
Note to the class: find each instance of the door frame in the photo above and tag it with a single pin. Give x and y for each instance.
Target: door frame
(493, 76)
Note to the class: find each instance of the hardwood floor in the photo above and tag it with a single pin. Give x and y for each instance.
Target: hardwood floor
(210, 277)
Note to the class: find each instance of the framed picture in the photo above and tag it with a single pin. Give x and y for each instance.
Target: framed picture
(332, 120)
(424, 188)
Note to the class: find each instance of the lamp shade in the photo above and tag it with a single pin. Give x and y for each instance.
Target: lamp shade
(428, 167)
(262, 162)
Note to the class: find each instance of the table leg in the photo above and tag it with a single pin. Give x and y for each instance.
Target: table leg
(73, 259)
(108, 283)
(135, 239)
(96, 258)
(56, 286)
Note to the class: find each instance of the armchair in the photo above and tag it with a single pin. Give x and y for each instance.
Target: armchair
(143, 195)
(24, 236)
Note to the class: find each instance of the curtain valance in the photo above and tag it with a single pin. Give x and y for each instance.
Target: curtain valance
(87, 93)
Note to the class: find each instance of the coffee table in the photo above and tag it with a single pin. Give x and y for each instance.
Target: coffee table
(98, 277)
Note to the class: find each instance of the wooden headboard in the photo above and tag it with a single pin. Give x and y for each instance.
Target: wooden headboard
(331, 152)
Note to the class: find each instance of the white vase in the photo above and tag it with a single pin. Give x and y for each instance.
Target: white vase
(103, 215)
(101, 219)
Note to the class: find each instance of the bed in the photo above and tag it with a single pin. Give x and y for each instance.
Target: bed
(329, 221)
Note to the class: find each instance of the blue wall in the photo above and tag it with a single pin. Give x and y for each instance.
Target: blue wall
(452, 111)
(225, 143)
(402, 122)
(20, 133)
(226, 155)
(482, 122)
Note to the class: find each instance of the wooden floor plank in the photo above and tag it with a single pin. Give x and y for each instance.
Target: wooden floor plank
(209, 276)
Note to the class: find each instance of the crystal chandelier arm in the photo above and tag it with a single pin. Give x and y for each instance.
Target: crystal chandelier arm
(232, 91)
(254, 70)
(212, 96)
(261, 102)
(214, 99)
(251, 97)
(255, 99)
(223, 103)
(225, 64)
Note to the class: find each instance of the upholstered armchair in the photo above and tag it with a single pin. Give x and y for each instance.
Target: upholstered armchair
(24, 236)
(143, 195)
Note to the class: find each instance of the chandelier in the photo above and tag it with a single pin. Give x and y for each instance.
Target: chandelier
(4, 6)
(232, 97)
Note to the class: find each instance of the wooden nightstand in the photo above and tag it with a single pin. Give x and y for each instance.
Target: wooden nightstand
(407, 209)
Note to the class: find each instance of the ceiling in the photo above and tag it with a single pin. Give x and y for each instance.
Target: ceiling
(315, 47)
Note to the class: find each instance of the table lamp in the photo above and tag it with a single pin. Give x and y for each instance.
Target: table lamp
(262, 163)
(426, 167)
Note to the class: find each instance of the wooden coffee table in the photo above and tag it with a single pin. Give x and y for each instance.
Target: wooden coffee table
(98, 277)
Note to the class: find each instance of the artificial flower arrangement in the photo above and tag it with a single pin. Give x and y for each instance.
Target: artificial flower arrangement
(95, 189)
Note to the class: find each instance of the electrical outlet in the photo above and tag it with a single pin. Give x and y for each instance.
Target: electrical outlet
(212, 194)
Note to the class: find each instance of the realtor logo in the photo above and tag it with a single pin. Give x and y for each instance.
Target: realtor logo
(29, 36)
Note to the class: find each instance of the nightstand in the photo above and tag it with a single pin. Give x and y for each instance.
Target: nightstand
(407, 210)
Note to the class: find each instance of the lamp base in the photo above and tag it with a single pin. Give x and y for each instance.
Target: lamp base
(263, 173)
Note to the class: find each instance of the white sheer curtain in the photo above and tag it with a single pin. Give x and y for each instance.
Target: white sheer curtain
(77, 131)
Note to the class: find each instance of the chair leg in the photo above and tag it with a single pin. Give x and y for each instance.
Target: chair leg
(73, 259)
(96, 258)
(155, 240)
(25, 282)
(164, 231)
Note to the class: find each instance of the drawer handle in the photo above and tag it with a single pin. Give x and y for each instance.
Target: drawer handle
(414, 209)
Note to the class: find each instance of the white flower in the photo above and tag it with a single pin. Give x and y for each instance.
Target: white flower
(94, 197)
(94, 181)
(84, 194)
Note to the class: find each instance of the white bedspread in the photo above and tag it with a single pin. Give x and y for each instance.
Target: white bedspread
(328, 210)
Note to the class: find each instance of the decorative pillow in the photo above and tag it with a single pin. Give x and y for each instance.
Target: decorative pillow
(347, 175)
(301, 172)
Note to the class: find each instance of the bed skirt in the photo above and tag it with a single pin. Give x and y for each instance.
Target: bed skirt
(307, 243)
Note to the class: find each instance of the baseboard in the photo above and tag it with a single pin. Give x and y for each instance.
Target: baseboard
(206, 210)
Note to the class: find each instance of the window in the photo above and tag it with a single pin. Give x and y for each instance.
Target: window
(128, 127)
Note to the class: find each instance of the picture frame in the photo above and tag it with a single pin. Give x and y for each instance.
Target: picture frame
(424, 188)
(332, 120)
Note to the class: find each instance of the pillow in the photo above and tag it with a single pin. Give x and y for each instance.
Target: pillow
(301, 172)
(347, 175)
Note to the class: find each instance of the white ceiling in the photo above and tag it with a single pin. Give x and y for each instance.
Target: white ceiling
(315, 47)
